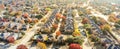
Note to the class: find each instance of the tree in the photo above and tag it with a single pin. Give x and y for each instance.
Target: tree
(2, 7)
(76, 33)
(48, 9)
(18, 12)
(22, 21)
(43, 20)
(105, 27)
(118, 22)
(12, 13)
(35, 9)
(89, 31)
(58, 33)
(102, 21)
(6, 17)
(39, 16)
(93, 38)
(58, 16)
(26, 15)
(75, 46)
(29, 20)
(74, 12)
(55, 26)
(117, 25)
(63, 17)
(41, 45)
(85, 21)
(88, 11)
(22, 47)
(112, 18)
(78, 40)
(87, 26)
(95, 19)
(11, 39)
(81, 13)
(70, 40)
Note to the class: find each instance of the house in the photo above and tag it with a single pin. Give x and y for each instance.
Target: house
(113, 46)
(118, 16)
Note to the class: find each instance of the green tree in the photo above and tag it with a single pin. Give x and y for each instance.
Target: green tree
(87, 26)
(118, 22)
(39, 16)
(93, 38)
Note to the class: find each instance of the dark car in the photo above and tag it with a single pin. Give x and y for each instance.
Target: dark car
(24, 27)
(68, 29)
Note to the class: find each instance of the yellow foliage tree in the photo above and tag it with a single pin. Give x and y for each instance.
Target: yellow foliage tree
(106, 27)
(81, 13)
(12, 13)
(112, 18)
(76, 33)
(19, 12)
(88, 11)
(41, 45)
